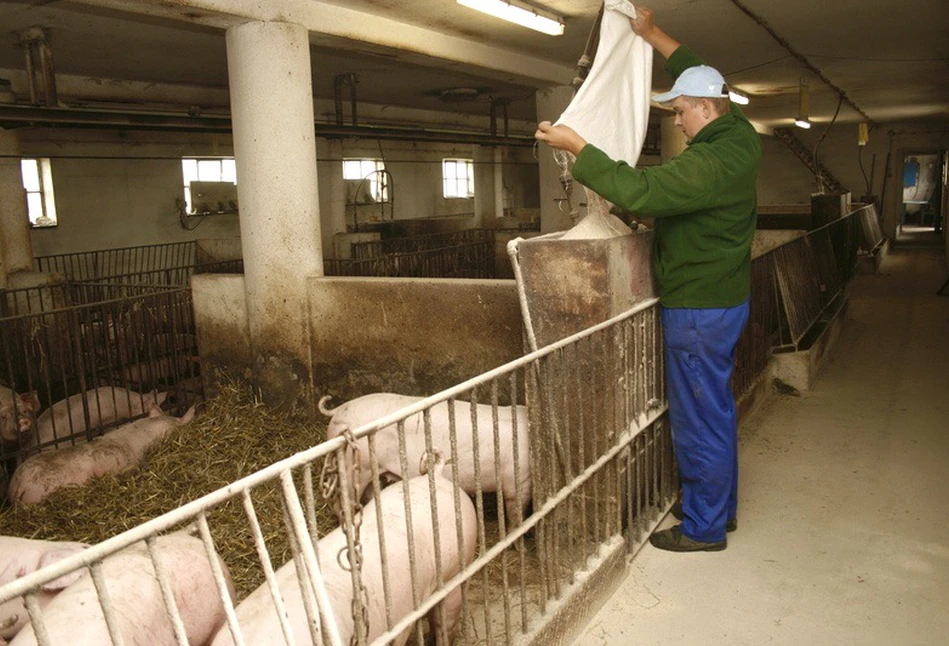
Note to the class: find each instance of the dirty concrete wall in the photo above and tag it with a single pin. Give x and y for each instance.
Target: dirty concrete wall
(412, 336)
(223, 334)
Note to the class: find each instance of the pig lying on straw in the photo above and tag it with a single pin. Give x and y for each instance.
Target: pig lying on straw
(42, 474)
(106, 406)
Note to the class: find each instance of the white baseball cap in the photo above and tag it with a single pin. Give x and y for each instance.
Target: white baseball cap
(699, 81)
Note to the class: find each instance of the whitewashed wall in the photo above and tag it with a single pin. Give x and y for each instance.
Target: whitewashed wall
(119, 189)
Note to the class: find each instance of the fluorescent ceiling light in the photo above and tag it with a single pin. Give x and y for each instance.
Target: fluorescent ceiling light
(520, 14)
(803, 106)
(738, 97)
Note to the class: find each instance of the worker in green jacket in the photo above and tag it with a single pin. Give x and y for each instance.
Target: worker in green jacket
(704, 205)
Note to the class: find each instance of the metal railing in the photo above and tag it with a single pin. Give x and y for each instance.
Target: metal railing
(102, 263)
(812, 271)
(619, 487)
(67, 341)
(408, 244)
(463, 260)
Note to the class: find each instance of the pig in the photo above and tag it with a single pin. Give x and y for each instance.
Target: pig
(22, 556)
(75, 616)
(368, 408)
(42, 474)
(17, 413)
(257, 614)
(106, 405)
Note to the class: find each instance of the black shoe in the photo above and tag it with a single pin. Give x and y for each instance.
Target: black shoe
(673, 540)
(730, 525)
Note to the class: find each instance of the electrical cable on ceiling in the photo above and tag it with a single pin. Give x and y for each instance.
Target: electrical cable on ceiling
(820, 180)
(800, 57)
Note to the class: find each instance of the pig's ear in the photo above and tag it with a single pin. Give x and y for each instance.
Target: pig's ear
(154, 411)
(30, 401)
(65, 580)
(160, 397)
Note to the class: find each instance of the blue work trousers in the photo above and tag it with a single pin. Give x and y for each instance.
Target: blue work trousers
(700, 354)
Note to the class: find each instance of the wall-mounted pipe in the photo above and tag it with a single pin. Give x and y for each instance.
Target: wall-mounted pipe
(37, 52)
(12, 117)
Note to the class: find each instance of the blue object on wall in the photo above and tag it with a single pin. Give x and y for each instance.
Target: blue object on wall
(910, 173)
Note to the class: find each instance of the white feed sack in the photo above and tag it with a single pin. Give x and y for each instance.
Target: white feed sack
(611, 109)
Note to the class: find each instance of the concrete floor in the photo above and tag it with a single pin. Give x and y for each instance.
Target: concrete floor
(843, 533)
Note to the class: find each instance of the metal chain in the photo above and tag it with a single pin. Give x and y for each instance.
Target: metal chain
(355, 558)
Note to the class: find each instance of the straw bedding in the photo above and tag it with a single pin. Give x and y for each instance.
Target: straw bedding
(234, 436)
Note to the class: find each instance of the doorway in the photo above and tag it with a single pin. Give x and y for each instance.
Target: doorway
(922, 218)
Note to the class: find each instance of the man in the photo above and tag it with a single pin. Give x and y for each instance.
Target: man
(704, 205)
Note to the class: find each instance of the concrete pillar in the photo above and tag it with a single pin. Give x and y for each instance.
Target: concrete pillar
(332, 192)
(275, 148)
(16, 246)
(554, 212)
(672, 140)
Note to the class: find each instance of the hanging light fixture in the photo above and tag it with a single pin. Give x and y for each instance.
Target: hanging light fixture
(520, 13)
(863, 133)
(737, 96)
(803, 106)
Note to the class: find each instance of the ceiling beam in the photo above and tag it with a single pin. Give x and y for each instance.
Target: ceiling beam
(333, 25)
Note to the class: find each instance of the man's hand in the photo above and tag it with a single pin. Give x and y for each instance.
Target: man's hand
(560, 137)
(644, 24)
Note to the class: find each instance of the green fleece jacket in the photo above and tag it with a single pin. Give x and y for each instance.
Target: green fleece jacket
(703, 201)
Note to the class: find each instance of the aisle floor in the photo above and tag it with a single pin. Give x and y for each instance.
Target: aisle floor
(843, 533)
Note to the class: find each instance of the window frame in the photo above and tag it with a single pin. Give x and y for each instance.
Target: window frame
(370, 168)
(46, 204)
(454, 180)
(224, 176)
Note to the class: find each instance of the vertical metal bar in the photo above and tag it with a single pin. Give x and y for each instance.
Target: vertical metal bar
(502, 521)
(168, 595)
(409, 526)
(436, 528)
(376, 493)
(519, 496)
(36, 619)
(479, 508)
(105, 602)
(263, 555)
(217, 571)
(584, 404)
(456, 490)
(298, 523)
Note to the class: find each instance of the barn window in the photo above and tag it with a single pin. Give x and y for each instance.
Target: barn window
(222, 170)
(371, 174)
(38, 184)
(457, 178)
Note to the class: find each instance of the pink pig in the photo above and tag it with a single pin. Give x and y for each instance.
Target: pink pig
(119, 450)
(516, 485)
(22, 556)
(257, 614)
(75, 616)
(107, 405)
